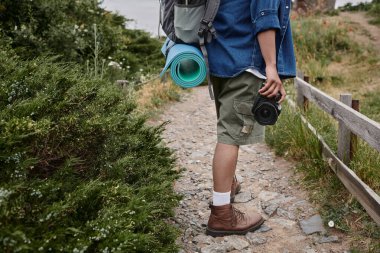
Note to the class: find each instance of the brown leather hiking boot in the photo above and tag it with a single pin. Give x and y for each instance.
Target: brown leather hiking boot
(227, 220)
(235, 189)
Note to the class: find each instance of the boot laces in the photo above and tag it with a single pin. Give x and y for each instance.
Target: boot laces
(237, 215)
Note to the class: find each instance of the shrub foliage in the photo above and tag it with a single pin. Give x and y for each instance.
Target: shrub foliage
(78, 31)
(80, 171)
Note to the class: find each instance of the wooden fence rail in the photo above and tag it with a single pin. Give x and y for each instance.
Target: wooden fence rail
(351, 123)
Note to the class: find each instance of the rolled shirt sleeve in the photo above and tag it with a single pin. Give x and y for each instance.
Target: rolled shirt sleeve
(264, 15)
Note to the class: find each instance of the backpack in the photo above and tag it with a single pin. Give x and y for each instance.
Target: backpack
(190, 22)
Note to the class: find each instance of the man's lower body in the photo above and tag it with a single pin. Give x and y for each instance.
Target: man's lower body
(234, 99)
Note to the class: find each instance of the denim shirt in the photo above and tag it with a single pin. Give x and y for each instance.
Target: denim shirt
(236, 48)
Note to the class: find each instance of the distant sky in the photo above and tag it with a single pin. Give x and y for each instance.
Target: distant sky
(145, 13)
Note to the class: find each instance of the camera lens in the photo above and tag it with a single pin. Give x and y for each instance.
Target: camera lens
(266, 114)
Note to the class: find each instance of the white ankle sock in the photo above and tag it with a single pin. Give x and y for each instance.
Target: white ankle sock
(221, 198)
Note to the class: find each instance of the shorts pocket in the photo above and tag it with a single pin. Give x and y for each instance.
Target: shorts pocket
(187, 19)
(246, 129)
(245, 122)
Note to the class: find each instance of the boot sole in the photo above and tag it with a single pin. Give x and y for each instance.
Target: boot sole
(216, 233)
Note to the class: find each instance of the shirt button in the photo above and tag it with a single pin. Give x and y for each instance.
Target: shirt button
(262, 13)
(287, 7)
(284, 27)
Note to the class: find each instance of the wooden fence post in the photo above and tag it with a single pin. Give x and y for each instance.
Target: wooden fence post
(299, 94)
(305, 99)
(344, 134)
(302, 101)
(354, 137)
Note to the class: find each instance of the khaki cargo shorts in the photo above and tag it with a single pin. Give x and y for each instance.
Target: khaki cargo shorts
(234, 98)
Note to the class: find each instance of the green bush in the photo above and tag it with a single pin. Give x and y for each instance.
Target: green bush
(80, 171)
(71, 29)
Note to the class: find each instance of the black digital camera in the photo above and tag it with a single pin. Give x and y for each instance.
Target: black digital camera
(266, 110)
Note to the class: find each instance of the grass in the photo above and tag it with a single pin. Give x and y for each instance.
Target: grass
(154, 94)
(322, 41)
(292, 139)
(372, 105)
(336, 64)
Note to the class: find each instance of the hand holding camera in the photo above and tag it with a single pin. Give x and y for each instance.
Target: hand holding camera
(273, 85)
(267, 106)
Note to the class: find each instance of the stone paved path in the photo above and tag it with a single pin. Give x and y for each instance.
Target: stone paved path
(269, 186)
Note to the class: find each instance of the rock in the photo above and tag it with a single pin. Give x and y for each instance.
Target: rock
(282, 199)
(265, 168)
(198, 154)
(285, 214)
(214, 248)
(255, 239)
(243, 197)
(248, 149)
(287, 224)
(312, 225)
(271, 209)
(310, 250)
(264, 228)
(239, 178)
(234, 242)
(203, 239)
(266, 195)
(328, 239)
(243, 251)
(188, 233)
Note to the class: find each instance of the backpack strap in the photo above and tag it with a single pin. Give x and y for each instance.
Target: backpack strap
(206, 34)
(205, 56)
(206, 28)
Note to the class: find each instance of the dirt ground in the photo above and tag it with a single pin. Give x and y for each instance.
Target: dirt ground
(360, 77)
(362, 20)
(269, 186)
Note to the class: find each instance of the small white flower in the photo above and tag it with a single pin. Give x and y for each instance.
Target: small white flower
(4, 193)
(331, 224)
(114, 64)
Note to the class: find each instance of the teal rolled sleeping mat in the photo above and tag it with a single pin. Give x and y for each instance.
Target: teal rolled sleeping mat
(186, 63)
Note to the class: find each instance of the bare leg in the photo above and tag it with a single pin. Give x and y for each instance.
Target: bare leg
(224, 166)
(223, 219)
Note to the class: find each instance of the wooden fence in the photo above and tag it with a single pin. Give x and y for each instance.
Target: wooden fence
(351, 124)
